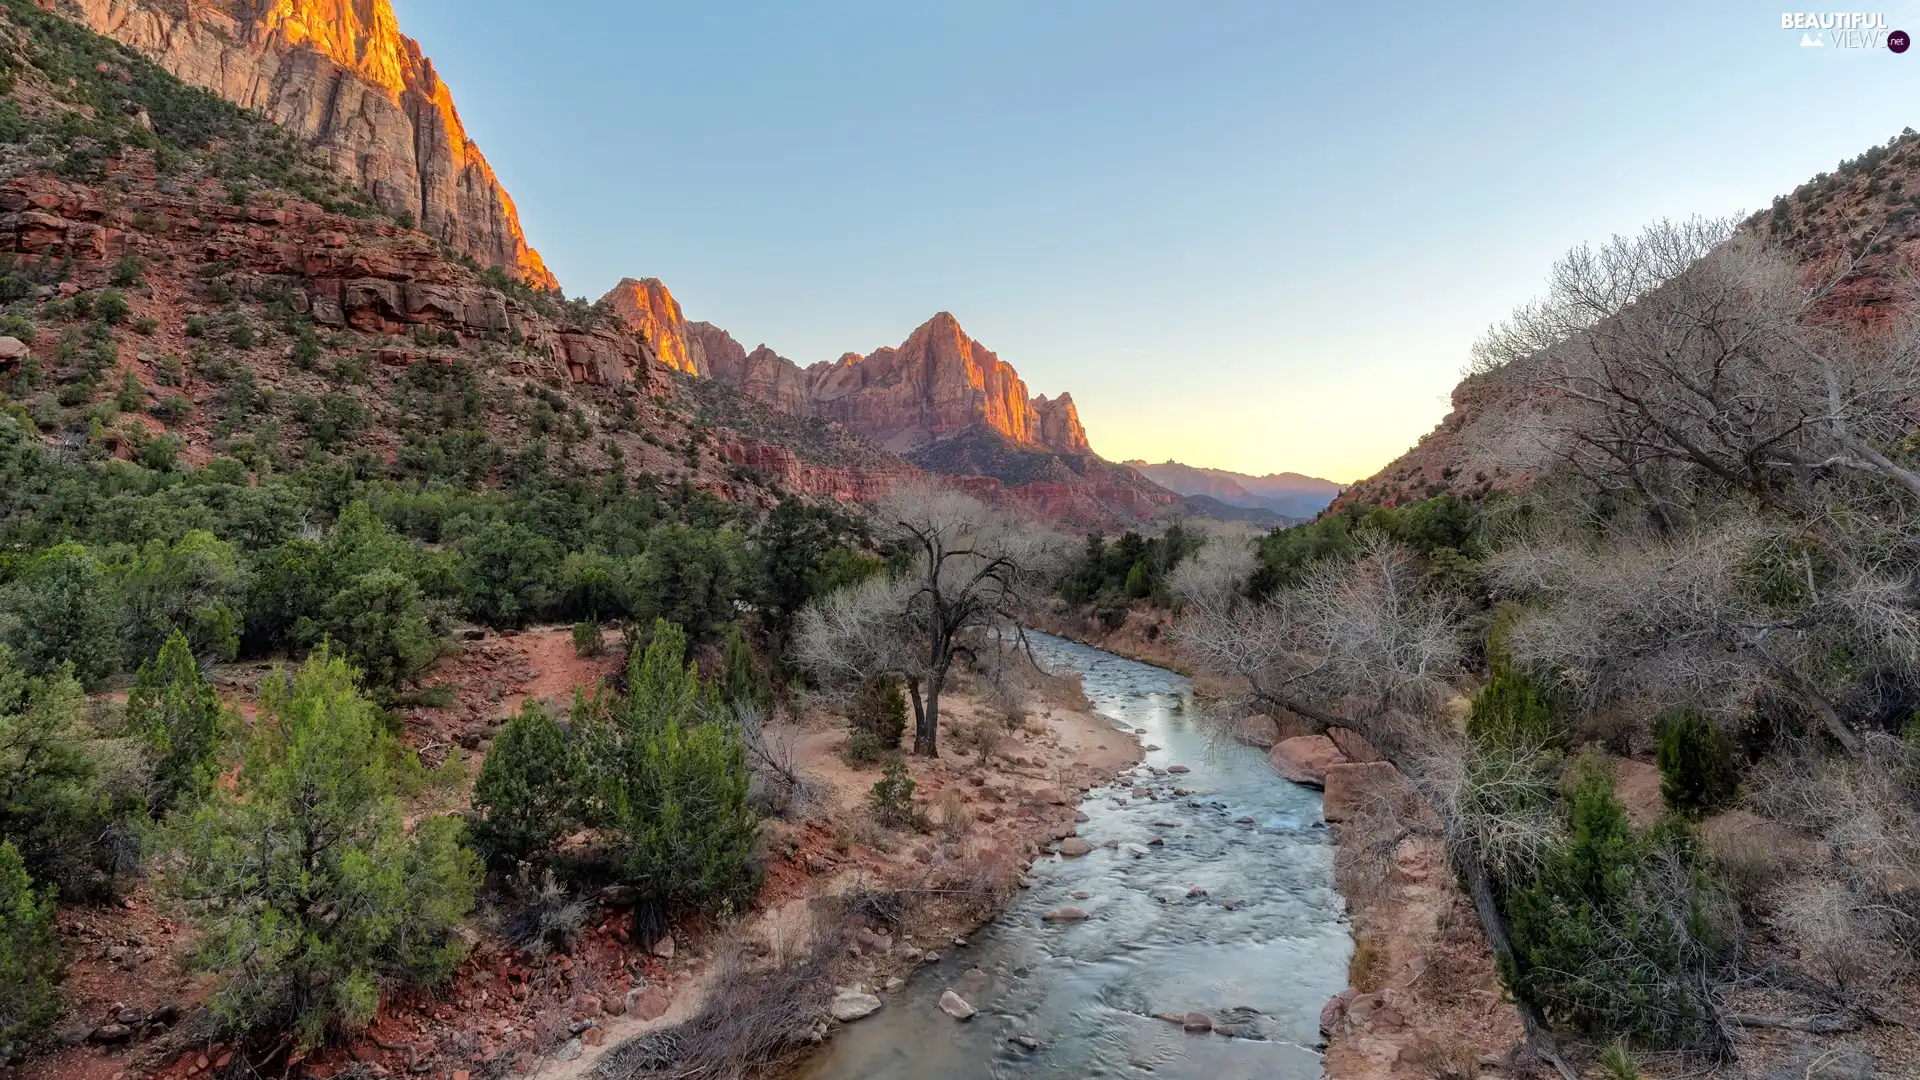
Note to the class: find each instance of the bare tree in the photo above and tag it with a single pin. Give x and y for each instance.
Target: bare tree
(1722, 614)
(1217, 573)
(1362, 644)
(973, 573)
(1694, 349)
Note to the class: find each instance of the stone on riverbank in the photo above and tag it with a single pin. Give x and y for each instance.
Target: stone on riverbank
(1304, 759)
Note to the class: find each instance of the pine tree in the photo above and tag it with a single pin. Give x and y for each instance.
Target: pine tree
(669, 778)
(528, 788)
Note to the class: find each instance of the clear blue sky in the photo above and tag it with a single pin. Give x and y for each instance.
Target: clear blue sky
(1258, 236)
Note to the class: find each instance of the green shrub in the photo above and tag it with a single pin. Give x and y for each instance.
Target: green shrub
(1514, 711)
(196, 326)
(173, 409)
(174, 708)
(303, 935)
(127, 272)
(742, 680)
(194, 585)
(111, 307)
(30, 965)
(45, 772)
(1698, 771)
(1611, 936)
(508, 573)
(587, 639)
(689, 576)
(306, 348)
(380, 621)
(528, 788)
(130, 396)
(589, 585)
(878, 719)
(670, 782)
(891, 798)
(242, 335)
(65, 609)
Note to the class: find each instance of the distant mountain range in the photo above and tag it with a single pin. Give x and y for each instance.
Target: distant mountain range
(1289, 495)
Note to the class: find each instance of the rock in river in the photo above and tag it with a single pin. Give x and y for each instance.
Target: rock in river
(956, 1006)
(849, 1006)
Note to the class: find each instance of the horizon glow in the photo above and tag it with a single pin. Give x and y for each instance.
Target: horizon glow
(1249, 236)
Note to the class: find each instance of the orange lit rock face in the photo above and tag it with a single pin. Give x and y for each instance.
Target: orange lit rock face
(341, 75)
(938, 383)
(646, 306)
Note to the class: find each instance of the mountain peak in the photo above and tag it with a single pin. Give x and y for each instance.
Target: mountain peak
(341, 76)
(647, 306)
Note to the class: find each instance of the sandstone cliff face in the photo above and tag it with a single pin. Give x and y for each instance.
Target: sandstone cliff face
(341, 75)
(646, 306)
(937, 384)
(1057, 423)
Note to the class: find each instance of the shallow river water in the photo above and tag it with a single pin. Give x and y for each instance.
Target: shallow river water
(1260, 952)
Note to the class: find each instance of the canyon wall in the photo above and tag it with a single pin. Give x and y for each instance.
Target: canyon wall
(339, 74)
(938, 383)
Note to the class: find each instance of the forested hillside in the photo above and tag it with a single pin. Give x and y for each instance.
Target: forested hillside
(1668, 534)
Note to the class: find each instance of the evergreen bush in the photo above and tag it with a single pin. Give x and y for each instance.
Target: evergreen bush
(30, 965)
(528, 790)
(1699, 773)
(303, 935)
(177, 712)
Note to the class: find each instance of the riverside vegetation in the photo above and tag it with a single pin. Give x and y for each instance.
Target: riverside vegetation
(1709, 566)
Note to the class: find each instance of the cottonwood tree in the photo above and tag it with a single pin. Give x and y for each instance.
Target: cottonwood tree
(1215, 575)
(1361, 643)
(1692, 349)
(969, 572)
(1724, 615)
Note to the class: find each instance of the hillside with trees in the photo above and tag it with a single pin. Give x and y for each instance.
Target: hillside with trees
(1697, 563)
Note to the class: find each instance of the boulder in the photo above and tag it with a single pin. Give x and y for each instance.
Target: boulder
(1352, 744)
(1303, 759)
(1352, 785)
(956, 1006)
(1068, 913)
(1073, 847)
(12, 349)
(648, 1002)
(849, 1006)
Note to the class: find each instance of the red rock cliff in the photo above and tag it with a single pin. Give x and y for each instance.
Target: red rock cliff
(936, 384)
(646, 306)
(341, 75)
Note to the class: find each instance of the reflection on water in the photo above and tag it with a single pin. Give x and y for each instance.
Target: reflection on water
(1259, 952)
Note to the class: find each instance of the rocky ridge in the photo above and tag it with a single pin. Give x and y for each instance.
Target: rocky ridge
(940, 399)
(1868, 209)
(342, 77)
(938, 383)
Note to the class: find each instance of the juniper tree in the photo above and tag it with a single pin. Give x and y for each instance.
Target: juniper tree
(309, 891)
(175, 709)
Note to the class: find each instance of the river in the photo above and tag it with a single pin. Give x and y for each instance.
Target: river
(1259, 952)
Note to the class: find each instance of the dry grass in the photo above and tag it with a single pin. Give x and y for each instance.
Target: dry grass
(1367, 970)
(759, 1012)
(1442, 1056)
